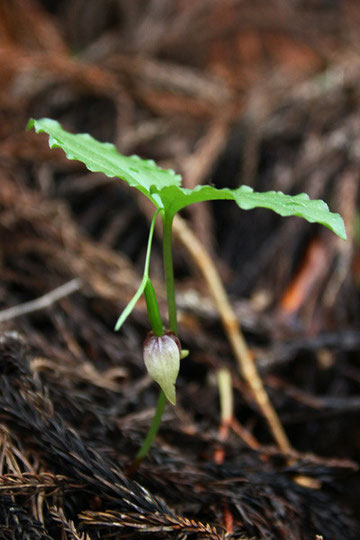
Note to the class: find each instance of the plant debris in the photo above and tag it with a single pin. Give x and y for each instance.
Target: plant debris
(263, 94)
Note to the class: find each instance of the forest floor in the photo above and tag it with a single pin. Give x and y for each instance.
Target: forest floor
(262, 93)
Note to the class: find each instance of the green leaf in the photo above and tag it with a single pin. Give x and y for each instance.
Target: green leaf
(175, 198)
(130, 306)
(163, 187)
(141, 174)
(126, 312)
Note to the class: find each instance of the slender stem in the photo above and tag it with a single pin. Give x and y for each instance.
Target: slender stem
(169, 273)
(153, 429)
(153, 309)
(148, 249)
(154, 317)
(124, 315)
(157, 327)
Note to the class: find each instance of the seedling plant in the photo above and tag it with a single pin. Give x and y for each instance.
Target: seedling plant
(162, 350)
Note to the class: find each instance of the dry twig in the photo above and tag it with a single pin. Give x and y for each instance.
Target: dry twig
(242, 354)
(41, 303)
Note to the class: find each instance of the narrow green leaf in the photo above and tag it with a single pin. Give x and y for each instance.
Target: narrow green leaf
(103, 157)
(124, 315)
(175, 198)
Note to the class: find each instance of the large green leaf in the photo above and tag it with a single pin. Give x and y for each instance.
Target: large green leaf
(163, 187)
(103, 157)
(175, 198)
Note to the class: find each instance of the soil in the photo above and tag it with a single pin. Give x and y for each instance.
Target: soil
(259, 93)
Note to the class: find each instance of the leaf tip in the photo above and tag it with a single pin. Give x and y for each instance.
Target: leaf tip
(118, 324)
(342, 232)
(30, 124)
(338, 226)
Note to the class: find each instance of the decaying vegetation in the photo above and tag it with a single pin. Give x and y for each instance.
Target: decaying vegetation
(232, 93)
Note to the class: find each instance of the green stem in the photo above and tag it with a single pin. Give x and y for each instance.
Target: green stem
(148, 249)
(169, 273)
(157, 327)
(153, 309)
(153, 429)
(155, 320)
(124, 315)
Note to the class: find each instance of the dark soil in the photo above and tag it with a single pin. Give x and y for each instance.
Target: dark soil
(259, 93)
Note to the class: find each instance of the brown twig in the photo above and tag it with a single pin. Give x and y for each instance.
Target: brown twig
(160, 522)
(231, 325)
(40, 303)
(68, 525)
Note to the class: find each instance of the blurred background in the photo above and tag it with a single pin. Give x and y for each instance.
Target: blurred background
(264, 93)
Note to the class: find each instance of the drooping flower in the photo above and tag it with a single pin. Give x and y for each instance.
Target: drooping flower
(162, 360)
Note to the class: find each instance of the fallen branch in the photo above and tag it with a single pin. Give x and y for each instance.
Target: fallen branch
(42, 302)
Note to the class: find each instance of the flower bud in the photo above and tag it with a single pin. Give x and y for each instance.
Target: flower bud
(162, 360)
